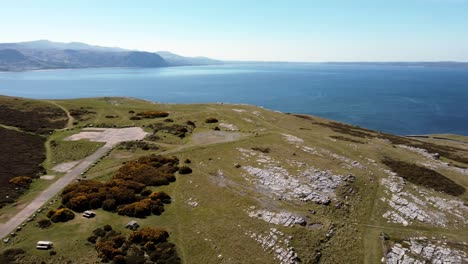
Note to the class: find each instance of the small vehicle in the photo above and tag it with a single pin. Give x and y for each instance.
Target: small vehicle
(45, 245)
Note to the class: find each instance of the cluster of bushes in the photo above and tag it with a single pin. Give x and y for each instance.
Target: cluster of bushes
(79, 114)
(133, 145)
(153, 114)
(153, 204)
(125, 193)
(21, 181)
(60, 215)
(174, 129)
(149, 243)
(424, 177)
(211, 120)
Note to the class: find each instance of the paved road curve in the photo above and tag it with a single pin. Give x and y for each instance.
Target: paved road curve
(51, 191)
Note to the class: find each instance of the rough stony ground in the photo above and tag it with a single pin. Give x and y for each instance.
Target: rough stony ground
(420, 250)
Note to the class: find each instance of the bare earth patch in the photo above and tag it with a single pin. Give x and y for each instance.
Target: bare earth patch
(48, 177)
(110, 135)
(65, 167)
(211, 137)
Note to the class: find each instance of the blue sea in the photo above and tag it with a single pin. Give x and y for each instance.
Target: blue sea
(395, 99)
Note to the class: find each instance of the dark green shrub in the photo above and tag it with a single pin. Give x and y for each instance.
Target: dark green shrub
(99, 232)
(92, 239)
(211, 120)
(109, 205)
(119, 259)
(185, 170)
(107, 228)
(146, 192)
(44, 223)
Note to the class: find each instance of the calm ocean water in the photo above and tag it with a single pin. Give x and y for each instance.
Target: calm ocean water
(401, 100)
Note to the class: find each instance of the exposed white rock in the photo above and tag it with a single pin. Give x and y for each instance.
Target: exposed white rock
(192, 202)
(228, 126)
(238, 110)
(275, 242)
(431, 160)
(419, 204)
(347, 162)
(420, 250)
(309, 184)
(257, 113)
(280, 218)
(292, 139)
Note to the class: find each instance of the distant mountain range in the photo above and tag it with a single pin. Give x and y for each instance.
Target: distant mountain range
(44, 54)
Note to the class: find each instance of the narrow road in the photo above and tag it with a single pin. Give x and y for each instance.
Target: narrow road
(51, 191)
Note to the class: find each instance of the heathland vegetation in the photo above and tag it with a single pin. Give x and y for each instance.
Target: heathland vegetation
(23, 126)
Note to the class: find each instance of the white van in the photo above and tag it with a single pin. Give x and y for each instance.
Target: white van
(44, 245)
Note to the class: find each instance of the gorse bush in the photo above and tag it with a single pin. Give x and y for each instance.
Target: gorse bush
(211, 120)
(185, 170)
(61, 215)
(23, 181)
(149, 241)
(124, 192)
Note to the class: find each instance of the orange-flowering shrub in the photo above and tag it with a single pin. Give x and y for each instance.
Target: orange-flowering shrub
(22, 181)
(61, 215)
(124, 191)
(149, 241)
(148, 234)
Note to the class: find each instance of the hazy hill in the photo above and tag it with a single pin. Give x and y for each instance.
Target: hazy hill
(177, 60)
(44, 54)
(48, 45)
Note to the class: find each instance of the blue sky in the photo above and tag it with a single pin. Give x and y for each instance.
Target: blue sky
(294, 30)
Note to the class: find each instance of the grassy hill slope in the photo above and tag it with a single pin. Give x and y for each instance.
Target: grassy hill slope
(270, 187)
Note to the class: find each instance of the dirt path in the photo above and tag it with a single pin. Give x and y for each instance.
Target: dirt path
(70, 118)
